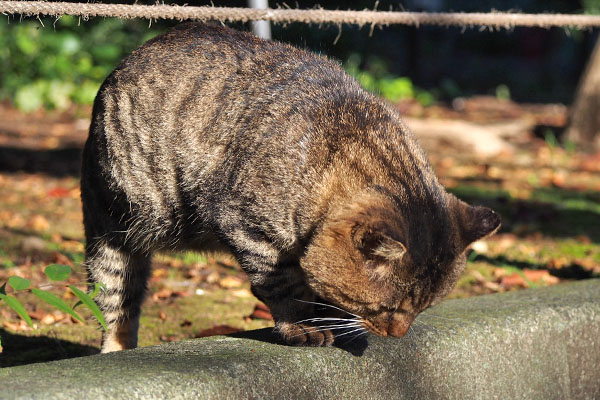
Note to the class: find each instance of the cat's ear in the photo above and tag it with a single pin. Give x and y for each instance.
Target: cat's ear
(378, 242)
(475, 223)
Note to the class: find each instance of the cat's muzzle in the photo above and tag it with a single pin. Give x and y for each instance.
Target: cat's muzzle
(395, 325)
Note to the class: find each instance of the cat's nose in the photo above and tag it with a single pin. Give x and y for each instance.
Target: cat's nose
(400, 324)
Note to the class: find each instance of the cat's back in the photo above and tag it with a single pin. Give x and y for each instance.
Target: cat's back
(217, 61)
(202, 111)
(219, 85)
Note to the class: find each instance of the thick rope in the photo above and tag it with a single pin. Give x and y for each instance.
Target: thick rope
(493, 20)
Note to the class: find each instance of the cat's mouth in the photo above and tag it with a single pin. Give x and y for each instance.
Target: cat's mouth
(396, 325)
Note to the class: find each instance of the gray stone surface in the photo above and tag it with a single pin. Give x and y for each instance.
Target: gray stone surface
(533, 344)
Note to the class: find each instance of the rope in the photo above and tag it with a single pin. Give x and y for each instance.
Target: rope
(493, 20)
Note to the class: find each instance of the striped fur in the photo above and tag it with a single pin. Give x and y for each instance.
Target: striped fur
(207, 138)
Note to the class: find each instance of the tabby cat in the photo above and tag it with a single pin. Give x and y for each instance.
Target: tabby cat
(207, 138)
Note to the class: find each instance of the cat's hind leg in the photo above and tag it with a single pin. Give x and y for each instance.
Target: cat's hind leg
(124, 275)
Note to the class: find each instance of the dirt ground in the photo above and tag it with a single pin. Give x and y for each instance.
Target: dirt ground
(548, 196)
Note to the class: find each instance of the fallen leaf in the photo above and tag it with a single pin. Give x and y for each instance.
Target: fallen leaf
(591, 163)
(19, 326)
(37, 314)
(170, 338)
(213, 277)
(165, 293)
(558, 179)
(162, 315)
(218, 330)
(243, 293)
(499, 273)
(513, 280)
(536, 275)
(60, 258)
(159, 273)
(583, 239)
(261, 311)
(478, 276)
(58, 192)
(492, 286)
(551, 280)
(73, 246)
(48, 319)
(558, 263)
(33, 244)
(186, 323)
(176, 263)
(38, 223)
(230, 282)
(162, 294)
(262, 306)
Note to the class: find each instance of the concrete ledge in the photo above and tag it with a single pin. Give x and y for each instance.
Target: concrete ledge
(533, 344)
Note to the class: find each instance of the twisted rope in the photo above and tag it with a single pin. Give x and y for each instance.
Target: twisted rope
(493, 20)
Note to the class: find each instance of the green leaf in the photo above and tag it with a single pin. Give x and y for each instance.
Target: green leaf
(57, 272)
(91, 304)
(97, 288)
(57, 302)
(30, 97)
(18, 283)
(18, 307)
(59, 94)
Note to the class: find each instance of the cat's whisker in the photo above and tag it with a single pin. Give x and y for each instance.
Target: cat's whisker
(325, 328)
(329, 319)
(352, 331)
(327, 305)
(356, 336)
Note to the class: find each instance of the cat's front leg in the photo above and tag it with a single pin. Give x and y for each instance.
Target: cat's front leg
(283, 289)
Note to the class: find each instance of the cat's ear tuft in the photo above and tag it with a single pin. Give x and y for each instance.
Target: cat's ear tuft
(377, 243)
(476, 223)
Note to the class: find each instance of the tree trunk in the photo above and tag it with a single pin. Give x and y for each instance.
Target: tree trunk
(584, 126)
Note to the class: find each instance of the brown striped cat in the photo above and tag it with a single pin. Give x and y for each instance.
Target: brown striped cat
(207, 138)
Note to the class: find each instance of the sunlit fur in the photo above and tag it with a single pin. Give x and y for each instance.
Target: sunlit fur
(210, 139)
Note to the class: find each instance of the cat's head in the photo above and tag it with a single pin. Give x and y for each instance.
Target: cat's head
(387, 258)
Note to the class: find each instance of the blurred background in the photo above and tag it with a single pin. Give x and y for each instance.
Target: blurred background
(51, 63)
(490, 108)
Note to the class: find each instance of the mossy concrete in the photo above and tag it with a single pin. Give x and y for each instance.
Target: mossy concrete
(532, 344)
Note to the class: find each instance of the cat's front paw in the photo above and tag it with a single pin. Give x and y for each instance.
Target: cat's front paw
(304, 335)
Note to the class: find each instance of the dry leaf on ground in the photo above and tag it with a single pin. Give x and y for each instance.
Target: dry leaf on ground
(218, 330)
(513, 280)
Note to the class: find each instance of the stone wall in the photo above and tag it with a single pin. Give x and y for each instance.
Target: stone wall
(532, 344)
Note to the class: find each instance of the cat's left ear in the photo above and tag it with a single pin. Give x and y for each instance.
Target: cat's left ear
(379, 242)
(475, 223)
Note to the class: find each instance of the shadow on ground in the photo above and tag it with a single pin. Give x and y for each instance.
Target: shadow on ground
(571, 271)
(57, 162)
(21, 350)
(553, 212)
(353, 345)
